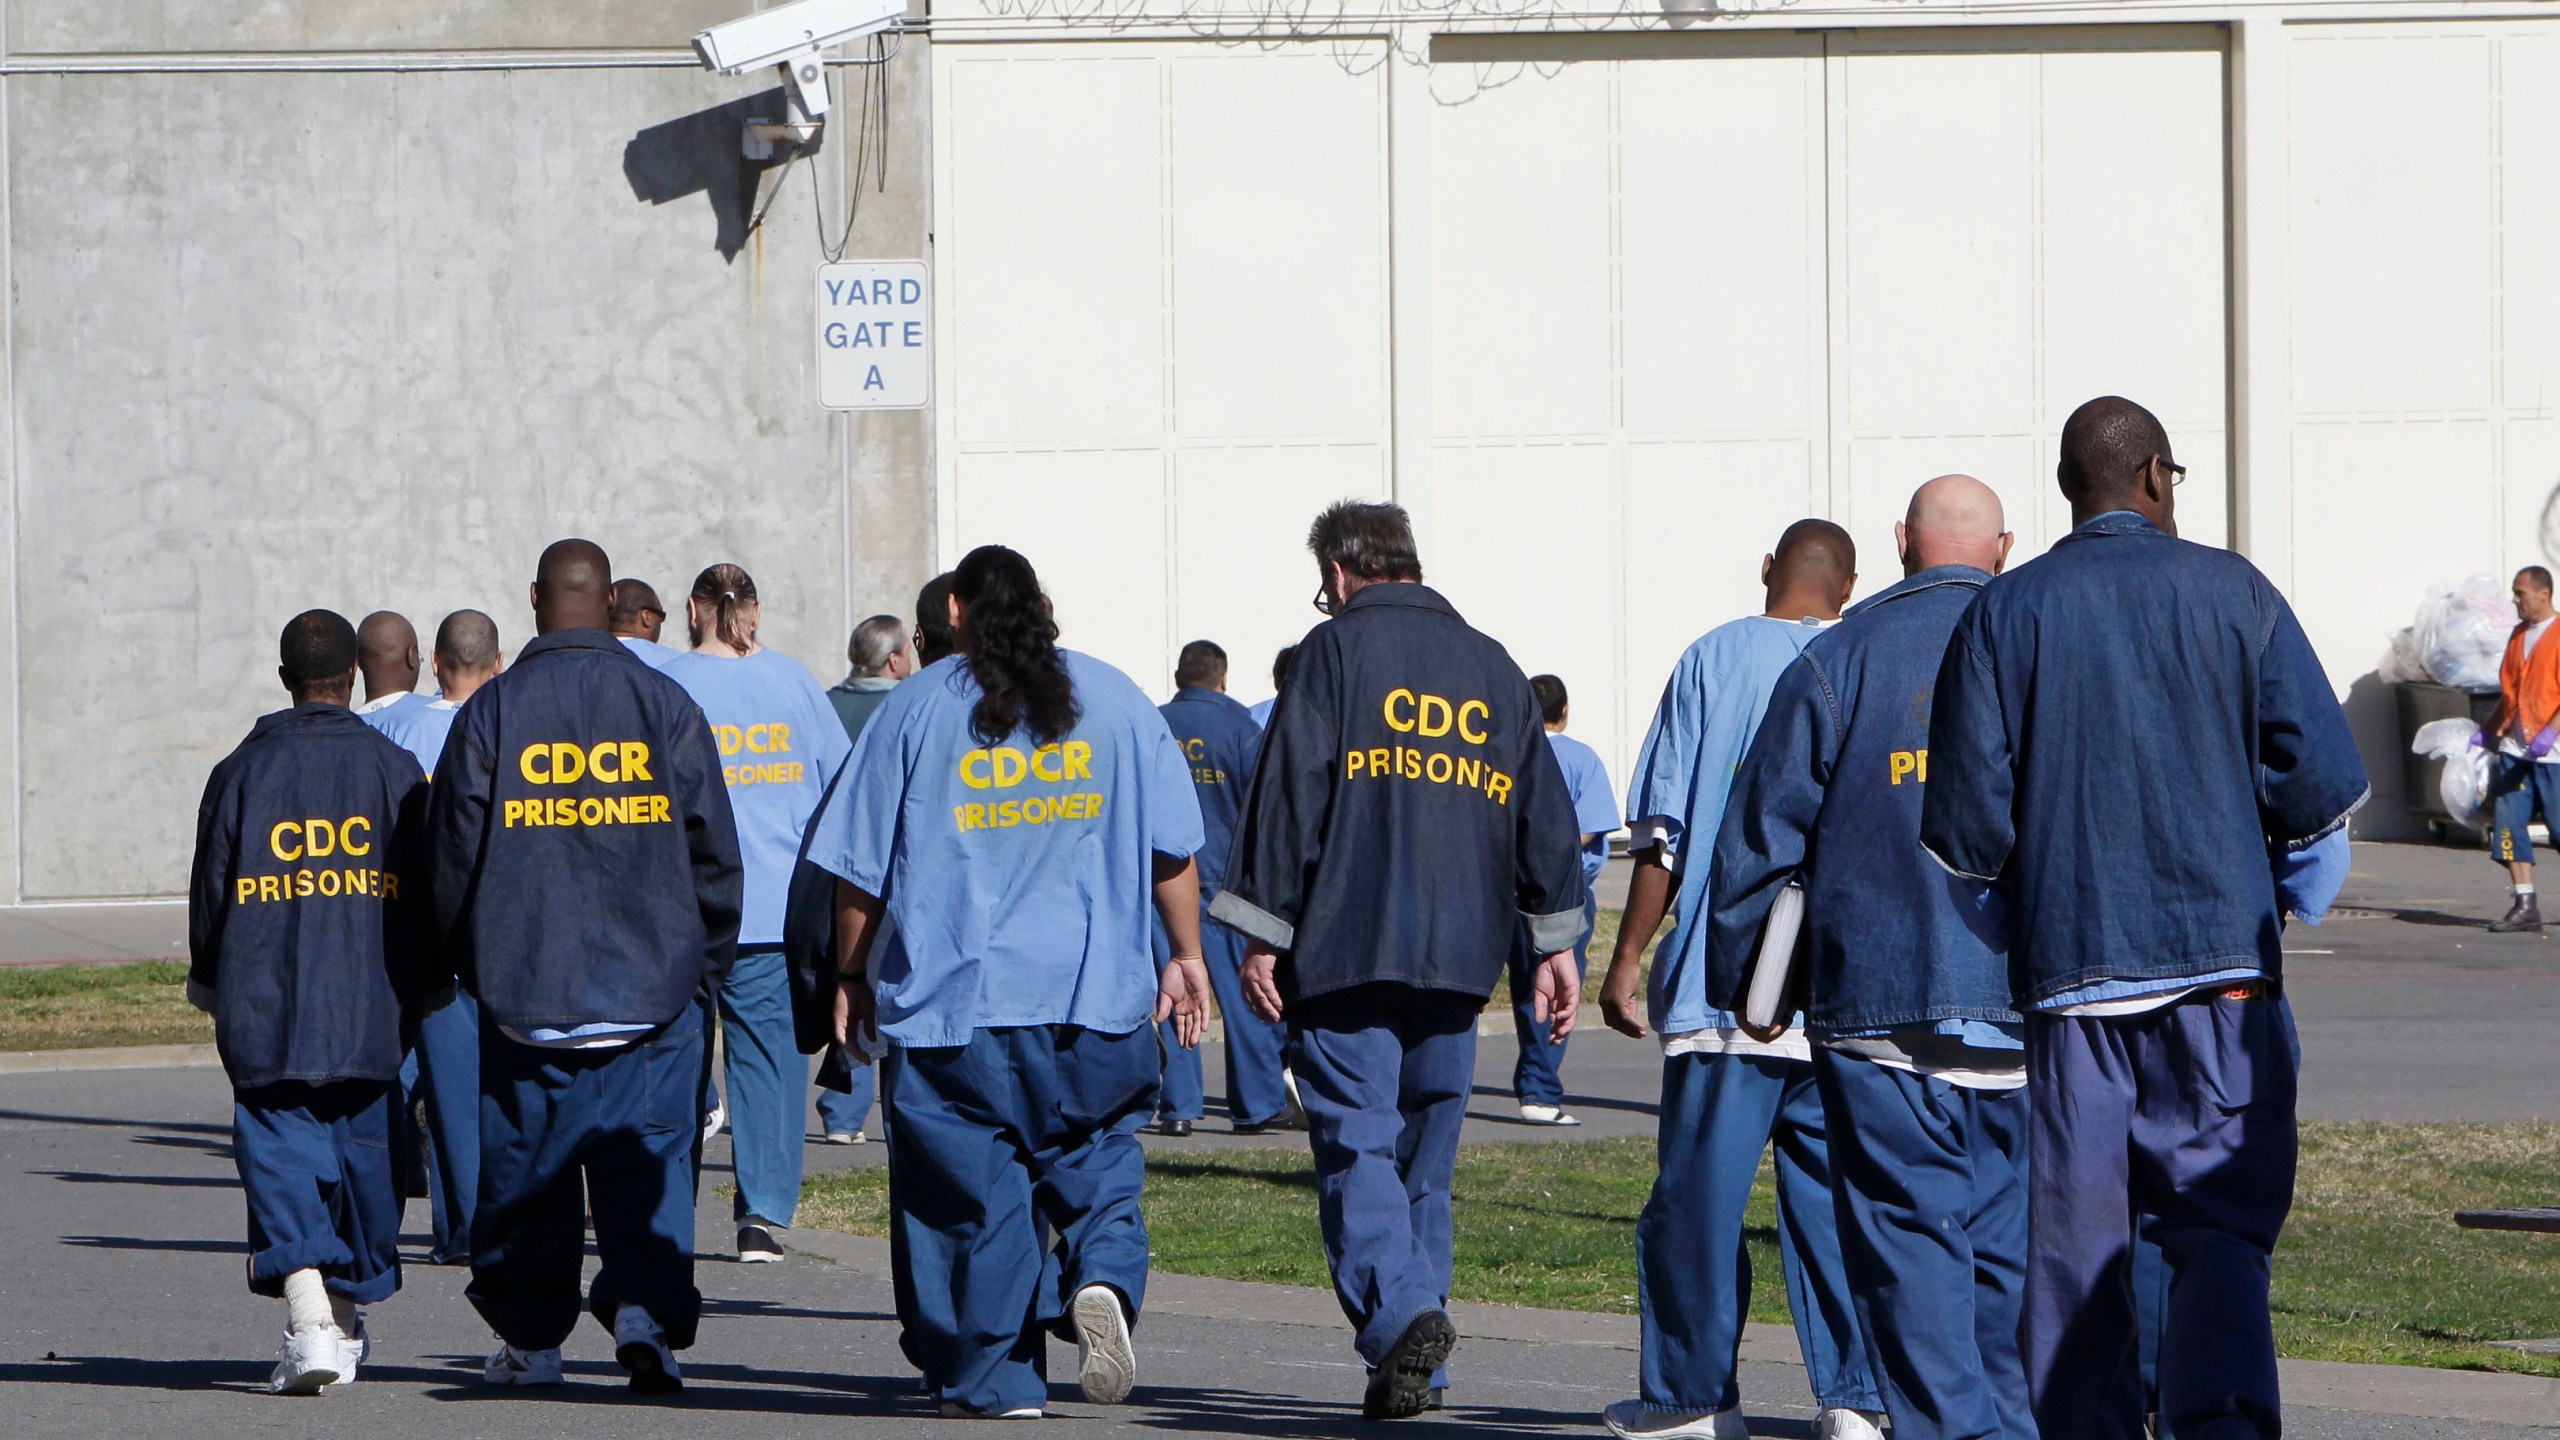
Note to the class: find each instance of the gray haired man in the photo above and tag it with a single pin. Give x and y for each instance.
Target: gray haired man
(878, 651)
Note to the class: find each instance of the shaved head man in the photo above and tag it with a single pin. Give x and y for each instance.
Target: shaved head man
(1922, 1116)
(387, 653)
(635, 616)
(1953, 520)
(1727, 1094)
(587, 863)
(572, 588)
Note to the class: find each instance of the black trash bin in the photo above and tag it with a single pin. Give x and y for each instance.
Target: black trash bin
(2420, 703)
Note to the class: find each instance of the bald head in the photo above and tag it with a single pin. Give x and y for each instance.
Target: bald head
(387, 653)
(1953, 520)
(572, 587)
(1811, 572)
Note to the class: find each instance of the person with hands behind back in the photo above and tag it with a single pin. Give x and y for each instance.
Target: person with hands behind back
(1006, 818)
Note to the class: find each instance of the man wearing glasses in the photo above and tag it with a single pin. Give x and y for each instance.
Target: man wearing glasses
(1405, 817)
(2134, 743)
(635, 619)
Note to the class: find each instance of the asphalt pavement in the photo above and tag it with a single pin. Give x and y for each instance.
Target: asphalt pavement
(122, 1313)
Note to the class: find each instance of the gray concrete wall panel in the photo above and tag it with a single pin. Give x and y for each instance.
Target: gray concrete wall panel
(370, 340)
(102, 27)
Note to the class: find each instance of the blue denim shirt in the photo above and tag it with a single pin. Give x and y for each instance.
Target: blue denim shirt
(1830, 794)
(2126, 730)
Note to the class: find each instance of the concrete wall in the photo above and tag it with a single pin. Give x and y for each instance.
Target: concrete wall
(365, 329)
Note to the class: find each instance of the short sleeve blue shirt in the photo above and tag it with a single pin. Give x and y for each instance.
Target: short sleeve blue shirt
(650, 651)
(419, 729)
(1700, 732)
(780, 743)
(1595, 805)
(1019, 877)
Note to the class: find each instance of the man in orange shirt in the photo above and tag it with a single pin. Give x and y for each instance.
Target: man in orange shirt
(2527, 722)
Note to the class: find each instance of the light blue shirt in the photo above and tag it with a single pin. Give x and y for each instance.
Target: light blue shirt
(1261, 713)
(780, 743)
(1684, 772)
(1019, 877)
(419, 729)
(1595, 804)
(650, 651)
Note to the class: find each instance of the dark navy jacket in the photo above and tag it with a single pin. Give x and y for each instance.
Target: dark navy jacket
(586, 862)
(1830, 793)
(307, 915)
(1406, 813)
(2126, 728)
(1220, 740)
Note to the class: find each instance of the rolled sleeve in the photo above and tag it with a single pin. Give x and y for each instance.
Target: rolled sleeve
(1549, 934)
(1260, 924)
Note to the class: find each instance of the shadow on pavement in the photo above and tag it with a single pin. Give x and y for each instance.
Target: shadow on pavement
(132, 1242)
(1240, 1412)
(53, 1117)
(185, 1182)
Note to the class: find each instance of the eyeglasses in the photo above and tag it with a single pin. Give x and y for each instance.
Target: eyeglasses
(2177, 472)
(1324, 602)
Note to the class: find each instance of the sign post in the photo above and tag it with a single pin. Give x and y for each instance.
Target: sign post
(875, 335)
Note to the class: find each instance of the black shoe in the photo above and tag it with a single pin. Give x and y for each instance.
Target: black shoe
(1401, 1385)
(1177, 1129)
(2524, 915)
(1255, 1127)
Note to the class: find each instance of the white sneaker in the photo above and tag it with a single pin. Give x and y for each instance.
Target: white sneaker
(1842, 1423)
(1629, 1420)
(313, 1358)
(954, 1410)
(715, 1122)
(845, 1137)
(1106, 1362)
(642, 1348)
(359, 1348)
(511, 1366)
(1545, 1115)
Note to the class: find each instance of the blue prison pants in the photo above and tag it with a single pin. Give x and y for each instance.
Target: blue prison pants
(1693, 1272)
(2184, 1114)
(1384, 1071)
(562, 1131)
(1534, 1077)
(316, 1164)
(992, 1145)
(1931, 1183)
(449, 1073)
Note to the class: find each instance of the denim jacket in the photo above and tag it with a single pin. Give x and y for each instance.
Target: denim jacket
(1830, 794)
(2127, 729)
(1406, 815)
(586, 862)
(306, 913)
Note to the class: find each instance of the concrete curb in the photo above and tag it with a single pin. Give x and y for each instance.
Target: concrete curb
(2524, 1400)
(113, 1057)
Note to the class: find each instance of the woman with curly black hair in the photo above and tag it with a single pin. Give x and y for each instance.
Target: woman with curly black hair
(1014, 809)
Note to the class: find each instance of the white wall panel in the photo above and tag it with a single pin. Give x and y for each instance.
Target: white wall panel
(1094, 523)
(1279, 280)
(1720, 241)
(1242, 575)
(1520, 225)
(1940, 232)
(1054, 258)
(1699, 517)
(2394, 240)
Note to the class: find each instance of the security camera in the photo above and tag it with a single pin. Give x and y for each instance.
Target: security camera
(791, 36)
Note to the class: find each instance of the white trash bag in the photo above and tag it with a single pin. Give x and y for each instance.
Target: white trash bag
(2464, 785)
(2461, 633)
